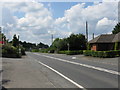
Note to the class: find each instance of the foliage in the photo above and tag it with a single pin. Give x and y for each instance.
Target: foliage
(71, 52)
(116, 46)
(59, 44)
(88, 46)
(102, 54)
(15, 41)
(31, 46)
(116, 29)
(76, 42)
(10, 51)
(41, 45)
(23, 51)
(35, 50)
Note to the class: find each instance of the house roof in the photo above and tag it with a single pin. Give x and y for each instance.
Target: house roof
(106, 38)
(116, 38)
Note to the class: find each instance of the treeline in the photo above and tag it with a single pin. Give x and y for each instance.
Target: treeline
(30, 46)
(74, 42)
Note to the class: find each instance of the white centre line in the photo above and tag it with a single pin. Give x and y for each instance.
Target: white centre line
(85, 65)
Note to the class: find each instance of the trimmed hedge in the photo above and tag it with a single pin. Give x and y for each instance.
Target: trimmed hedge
(35, 50)
(71, 52)
(102, 54)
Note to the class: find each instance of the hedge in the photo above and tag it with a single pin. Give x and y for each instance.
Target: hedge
(102, 54)
(35, 50)
(71, 52)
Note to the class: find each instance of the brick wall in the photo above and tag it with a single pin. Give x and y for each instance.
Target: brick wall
(94, 47)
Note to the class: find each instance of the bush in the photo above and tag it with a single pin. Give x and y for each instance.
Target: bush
(23, 51)
(62, 52)
(35, 50)
(102, 54)
(71, 52)
(74, 52)
(10, 52)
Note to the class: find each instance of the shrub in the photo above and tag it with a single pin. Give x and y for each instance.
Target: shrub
(35, 50)
(74, 52)
(62, 52)
(23, 51)
(102, 54)
(71, 52)
(10, 52)
(87, 52)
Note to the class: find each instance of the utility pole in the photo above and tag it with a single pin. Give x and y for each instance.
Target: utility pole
(52, 38)
(19, 50)
(87, 31)
(93, 35)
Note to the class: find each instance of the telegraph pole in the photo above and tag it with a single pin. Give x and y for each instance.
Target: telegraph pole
(87, 31)
(52, 38)
(93, 35)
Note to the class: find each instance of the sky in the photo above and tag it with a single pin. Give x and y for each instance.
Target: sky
(36, 21)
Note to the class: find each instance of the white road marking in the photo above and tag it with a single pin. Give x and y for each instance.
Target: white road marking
(65, 77)
(73, 57)
(85, 65)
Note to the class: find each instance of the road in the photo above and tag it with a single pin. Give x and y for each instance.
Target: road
(81, 72)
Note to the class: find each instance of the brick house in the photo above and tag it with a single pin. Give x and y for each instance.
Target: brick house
(105, 42)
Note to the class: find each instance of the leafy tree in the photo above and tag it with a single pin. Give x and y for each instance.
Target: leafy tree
(116, 29)
(77, 42)
(15, 41)
(59, 44)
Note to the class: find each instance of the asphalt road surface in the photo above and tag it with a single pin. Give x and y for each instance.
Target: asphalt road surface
(81, 72)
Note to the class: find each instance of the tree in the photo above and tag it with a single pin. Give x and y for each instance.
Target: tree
(15, 41)
(116, 29)
(59, 44)
(77, 42)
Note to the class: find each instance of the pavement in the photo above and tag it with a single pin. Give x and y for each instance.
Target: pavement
(37, 70)
(26, 73)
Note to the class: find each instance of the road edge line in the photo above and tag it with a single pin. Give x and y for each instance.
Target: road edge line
(65, 77)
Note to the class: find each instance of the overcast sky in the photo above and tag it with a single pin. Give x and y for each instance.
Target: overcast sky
(35, 21)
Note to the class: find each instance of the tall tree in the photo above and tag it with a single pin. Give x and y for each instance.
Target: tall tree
(116, 29)
(15, 41)
(77, 42)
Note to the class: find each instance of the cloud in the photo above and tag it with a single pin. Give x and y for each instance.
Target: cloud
(33, 26)
(101, 17)
(37, 21)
